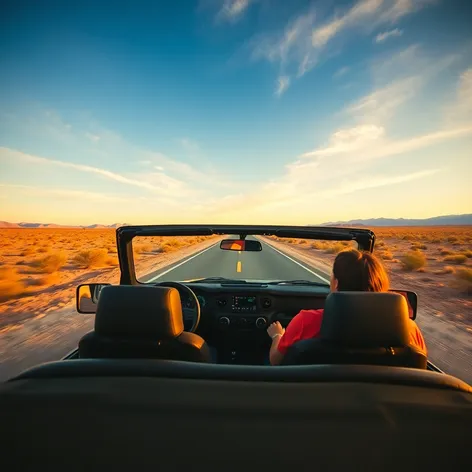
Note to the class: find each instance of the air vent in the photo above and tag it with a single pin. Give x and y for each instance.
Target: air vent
(266, 302)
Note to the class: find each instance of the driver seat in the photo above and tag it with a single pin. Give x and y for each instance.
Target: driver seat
(361, 328)
(136, 322)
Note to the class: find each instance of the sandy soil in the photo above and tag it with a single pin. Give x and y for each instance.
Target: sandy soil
(57, 292)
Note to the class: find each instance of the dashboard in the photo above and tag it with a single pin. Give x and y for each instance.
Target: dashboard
(237, 315)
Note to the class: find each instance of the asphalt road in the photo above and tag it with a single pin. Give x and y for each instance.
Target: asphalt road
(269, 264)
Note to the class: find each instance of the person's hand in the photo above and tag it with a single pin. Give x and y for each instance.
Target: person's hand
(275, 329)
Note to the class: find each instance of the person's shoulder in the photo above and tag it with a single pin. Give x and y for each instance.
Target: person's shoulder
(311, 313)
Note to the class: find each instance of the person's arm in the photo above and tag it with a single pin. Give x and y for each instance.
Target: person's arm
(275, 331)
(283, 339)
(416, 337)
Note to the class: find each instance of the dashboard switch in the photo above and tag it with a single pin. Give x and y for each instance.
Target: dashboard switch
(224, 321)
(266, 303)
(261, 322)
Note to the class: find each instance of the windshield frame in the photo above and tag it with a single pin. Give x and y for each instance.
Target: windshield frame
(365, 238)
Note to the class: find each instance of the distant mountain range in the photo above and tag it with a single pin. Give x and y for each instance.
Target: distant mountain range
(6, 224)
(435, 221)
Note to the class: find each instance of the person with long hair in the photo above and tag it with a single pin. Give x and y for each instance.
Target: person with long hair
(353, 270)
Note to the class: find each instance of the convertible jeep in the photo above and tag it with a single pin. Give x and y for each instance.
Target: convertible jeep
(175, 374)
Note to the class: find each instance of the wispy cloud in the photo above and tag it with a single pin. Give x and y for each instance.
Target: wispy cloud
(381, 37)
(189, 145)
(233, 10)
(92, 137)
(158, 183)
(38, 191)
(282, 85)
(303, 44)
(340, 72)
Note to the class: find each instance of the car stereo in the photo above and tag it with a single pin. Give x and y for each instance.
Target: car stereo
(243, 304)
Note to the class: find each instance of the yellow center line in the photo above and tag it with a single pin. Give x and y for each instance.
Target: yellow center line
(239, 267)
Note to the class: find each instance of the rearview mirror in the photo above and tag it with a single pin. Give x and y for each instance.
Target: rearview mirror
(87, 297)
(240, 245)
(412, 300)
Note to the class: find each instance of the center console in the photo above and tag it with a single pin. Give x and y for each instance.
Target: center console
(243, 312)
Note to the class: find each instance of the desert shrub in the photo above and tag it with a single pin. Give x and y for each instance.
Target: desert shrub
(11, 285)
(463, 280)
(413, 260)
(43, 249)
(435, 241)
(445, 270)
(91, 258)
(112, 261)
(408, 237)
(386, 255)
(318, 245)
(335, 248)
(456, 258)
(141, 248)
(380, 243)
(174, 242)
(452, 239)
(45, 280)
(302, 241)
(467, 253)
(444, 252)
(417, 246)
(50, 263)
(27, 251)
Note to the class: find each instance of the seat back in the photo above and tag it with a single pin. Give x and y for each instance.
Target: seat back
(138, 322)
(361, 328)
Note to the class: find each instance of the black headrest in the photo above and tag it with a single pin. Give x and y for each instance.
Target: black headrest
(139, 312)
(366, 319)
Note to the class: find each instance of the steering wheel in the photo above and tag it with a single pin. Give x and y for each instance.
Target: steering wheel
(194, 313)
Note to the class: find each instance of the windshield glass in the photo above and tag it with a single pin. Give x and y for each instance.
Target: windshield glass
(183, 258)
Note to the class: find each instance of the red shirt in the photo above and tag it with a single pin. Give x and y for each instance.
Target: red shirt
(307, 325)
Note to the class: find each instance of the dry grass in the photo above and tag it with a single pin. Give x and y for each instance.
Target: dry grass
(11, 284)
(456, 258)
(90, 258)
(335, 248)
(463, 280)
(35, 261)
(413, 260)
(50, 263)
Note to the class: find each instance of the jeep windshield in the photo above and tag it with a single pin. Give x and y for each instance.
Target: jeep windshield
(236, 258)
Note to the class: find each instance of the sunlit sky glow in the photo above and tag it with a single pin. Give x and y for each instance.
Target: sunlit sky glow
(234, 111)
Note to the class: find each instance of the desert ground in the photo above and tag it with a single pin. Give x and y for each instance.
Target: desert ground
(40, 269)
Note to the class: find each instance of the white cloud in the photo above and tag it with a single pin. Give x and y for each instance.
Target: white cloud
(189, 145)
(282, 85)
(162, 185)
(233, 10)
(63, 193)
(381, 37)
(381, 104)
(360, 11)
(93, 137)
(340, 72)
(370, 142)
(302, 44)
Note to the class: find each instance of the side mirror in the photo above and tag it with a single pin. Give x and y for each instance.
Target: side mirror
(87, 297)
(240, 245)
(412, 300)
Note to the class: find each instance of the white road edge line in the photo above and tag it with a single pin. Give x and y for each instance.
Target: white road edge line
(298, 263)
(182, 263)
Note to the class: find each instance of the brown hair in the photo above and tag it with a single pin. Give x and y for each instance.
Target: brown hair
(360, 272)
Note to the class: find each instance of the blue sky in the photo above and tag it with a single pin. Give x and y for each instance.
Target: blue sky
(244, 111)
